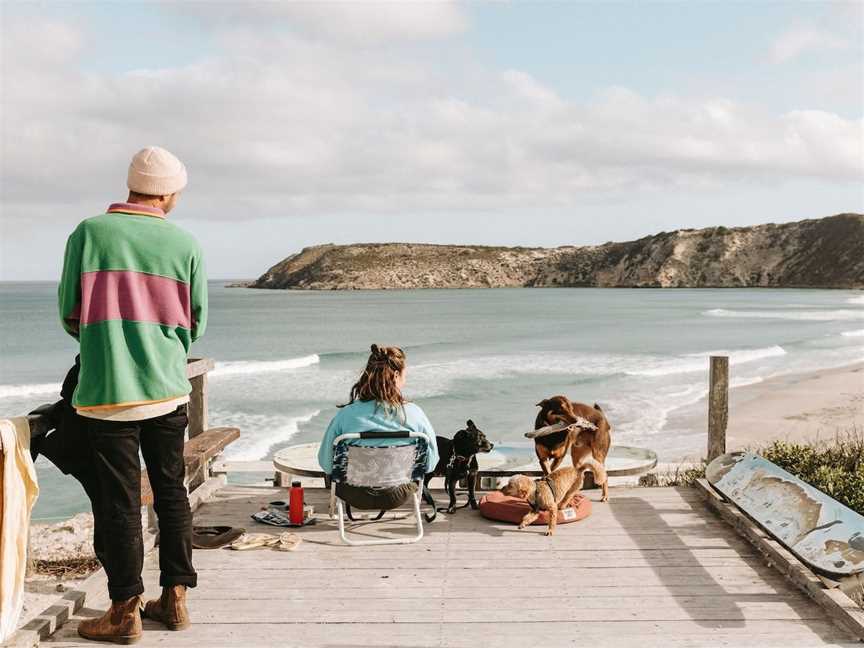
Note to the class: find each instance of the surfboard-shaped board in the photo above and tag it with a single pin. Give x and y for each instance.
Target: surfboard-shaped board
(824, 534)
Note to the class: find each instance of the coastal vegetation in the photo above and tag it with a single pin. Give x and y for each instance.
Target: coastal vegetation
(835, 466)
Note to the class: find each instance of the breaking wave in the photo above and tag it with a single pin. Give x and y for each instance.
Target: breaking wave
(260, 433)
(699, 361)
(814, 316)
(17, 391)
(245, 367)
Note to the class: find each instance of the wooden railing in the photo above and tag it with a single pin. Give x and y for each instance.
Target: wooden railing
(199, 416)
(199, 419)
(198, 409)
(201, 449)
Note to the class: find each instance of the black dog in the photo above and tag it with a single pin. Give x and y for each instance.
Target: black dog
(457, 461)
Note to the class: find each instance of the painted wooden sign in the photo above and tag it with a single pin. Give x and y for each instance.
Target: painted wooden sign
(823, 533)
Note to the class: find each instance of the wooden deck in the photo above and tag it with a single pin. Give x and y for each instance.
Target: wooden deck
(652, 568)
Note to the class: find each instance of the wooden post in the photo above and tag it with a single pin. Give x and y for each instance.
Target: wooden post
(718, 406)
(196, 370)
(198, 414)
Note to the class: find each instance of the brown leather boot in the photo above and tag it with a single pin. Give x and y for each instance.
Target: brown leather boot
(120, 624)
(170, 608)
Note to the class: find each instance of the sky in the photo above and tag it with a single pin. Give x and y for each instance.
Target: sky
(502, 123)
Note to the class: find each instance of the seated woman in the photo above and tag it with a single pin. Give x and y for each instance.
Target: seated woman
(377, 404)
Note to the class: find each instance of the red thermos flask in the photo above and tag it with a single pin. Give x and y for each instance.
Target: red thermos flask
(295, 503)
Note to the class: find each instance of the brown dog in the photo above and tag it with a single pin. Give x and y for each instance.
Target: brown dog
(588, 448)
(549, 493)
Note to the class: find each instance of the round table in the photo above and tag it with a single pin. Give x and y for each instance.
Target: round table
(505, 460)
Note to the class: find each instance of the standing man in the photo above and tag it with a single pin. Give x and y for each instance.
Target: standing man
(134, 294)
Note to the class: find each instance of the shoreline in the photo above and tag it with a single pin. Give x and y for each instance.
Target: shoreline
(810, 406)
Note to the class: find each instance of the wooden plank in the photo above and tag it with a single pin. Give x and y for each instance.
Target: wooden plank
(406, 579)
(837, 605)
(472, 556)
(479, 633)
(651, 595)
(718, 405)
(211, 442)
(199, 366)
(202, 448)
(253, 612)
(310, 561)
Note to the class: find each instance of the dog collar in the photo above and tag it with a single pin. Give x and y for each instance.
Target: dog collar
(454, 459)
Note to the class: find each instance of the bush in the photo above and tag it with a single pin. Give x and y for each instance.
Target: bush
(681, 475)
(835, 468)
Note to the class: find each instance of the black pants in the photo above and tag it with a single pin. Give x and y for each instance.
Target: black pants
(117, 510)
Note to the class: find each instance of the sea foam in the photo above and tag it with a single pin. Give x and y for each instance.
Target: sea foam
(699, 361)
(246, 367)
(242, 367)
(857, 333)
(17, 391)
(814, 316)
(259, 432)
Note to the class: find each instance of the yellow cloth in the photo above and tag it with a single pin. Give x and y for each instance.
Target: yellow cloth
(18, 492)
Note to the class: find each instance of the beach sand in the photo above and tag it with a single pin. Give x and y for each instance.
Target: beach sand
(71, 539)
(797, 407)
(800, 407)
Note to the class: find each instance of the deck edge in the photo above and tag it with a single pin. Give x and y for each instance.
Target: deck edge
(837, 605)
(59, 612)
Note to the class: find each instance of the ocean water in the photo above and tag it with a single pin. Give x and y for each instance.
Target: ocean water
(286, 359)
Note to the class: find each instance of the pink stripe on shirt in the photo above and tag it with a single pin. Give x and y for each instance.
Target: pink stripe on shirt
(134, 296)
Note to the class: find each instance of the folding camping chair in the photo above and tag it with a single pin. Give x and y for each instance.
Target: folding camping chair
(378, 467)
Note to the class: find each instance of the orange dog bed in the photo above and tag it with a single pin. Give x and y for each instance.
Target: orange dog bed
(503, 508)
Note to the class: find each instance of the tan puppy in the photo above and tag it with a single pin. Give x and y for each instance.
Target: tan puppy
(549, 493)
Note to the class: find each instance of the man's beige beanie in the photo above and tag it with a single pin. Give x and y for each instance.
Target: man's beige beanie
(156, 172)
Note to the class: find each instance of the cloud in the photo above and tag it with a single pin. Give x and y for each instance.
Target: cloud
(797, 41)
(366, 22)
(299, 124)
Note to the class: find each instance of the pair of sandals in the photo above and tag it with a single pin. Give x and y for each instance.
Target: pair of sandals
(286, 541)
(216, 537)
